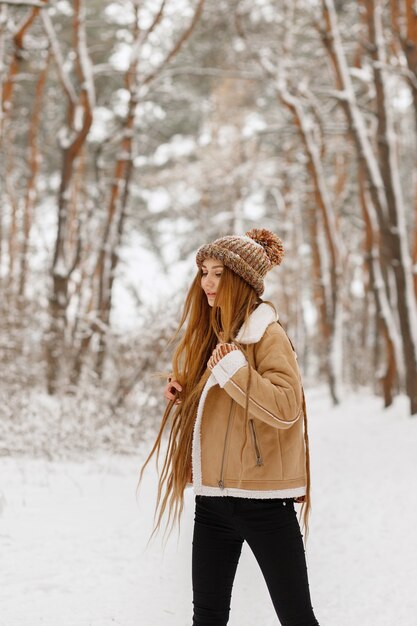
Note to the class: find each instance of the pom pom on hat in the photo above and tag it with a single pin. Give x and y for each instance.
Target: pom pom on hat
(270, 242)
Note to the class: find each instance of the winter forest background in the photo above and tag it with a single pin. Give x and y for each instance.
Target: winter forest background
(132, 132)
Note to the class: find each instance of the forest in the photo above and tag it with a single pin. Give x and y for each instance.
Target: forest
(134, 131)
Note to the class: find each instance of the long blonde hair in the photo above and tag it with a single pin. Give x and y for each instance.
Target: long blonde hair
(205, 328)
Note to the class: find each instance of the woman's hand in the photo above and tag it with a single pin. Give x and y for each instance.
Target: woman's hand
(219, 352)
(171, 390)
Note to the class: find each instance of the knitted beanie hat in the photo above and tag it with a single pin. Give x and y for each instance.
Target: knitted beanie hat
(251, 256)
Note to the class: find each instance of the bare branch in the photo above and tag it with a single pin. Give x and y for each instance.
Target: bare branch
(213, 71)
(178, 45)
(26, 24)
(3, 21)
(155, 22)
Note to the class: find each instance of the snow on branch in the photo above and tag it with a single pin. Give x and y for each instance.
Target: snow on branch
(156, 21)
(25, 3)
(86, 66)
(65, 80)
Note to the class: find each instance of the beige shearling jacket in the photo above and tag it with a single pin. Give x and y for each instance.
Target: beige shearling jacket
(264, 456)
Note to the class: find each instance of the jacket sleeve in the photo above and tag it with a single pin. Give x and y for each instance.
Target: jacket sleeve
(275, 390)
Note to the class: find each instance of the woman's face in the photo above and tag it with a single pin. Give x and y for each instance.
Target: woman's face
(210, 279)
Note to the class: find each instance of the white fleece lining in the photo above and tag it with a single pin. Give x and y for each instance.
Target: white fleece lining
(293, 492)
(228, 365)
(196, 449)
(256, 324)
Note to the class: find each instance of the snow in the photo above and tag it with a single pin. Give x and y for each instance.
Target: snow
(120, 59)
(64, 7)
(102, 125)
(402, 99)
(204, 139)
(142, 274)
(254, 123)
(120, 102)
(150, 111)
(253, 205)
(120, 14)
(227, 134)
(158, 200)
(73, 534)
(178, 146)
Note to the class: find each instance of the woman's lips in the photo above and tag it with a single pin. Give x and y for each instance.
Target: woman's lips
(211, 295)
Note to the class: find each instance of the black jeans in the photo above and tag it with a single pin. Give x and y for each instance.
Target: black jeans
(271, 528)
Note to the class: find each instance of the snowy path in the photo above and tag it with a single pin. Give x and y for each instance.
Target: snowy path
(73, 537)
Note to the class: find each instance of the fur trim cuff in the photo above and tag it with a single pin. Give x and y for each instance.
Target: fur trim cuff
(228, 365)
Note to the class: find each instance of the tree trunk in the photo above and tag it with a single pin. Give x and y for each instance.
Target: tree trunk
(108, 257)
(12, 245)
(409, 46)
(399, 248)
(8, 85)
(63, 266)
(331, 304)
(387, 201)
(33, 159)
(383, 310)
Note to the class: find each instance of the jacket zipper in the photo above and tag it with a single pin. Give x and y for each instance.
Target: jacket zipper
(255, 443)
(221, 481)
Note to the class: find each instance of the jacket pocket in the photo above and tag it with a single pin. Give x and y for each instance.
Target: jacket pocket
(255, 442)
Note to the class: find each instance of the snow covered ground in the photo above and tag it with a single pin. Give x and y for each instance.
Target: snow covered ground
(73, 535)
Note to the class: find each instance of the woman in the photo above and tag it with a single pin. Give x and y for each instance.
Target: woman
(238, 433)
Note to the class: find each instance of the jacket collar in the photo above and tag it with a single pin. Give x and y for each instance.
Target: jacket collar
(257, 323)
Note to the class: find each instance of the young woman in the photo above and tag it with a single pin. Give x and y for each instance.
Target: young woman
(238, 433)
